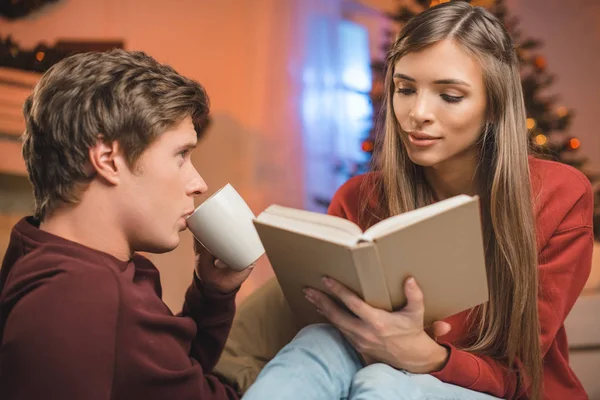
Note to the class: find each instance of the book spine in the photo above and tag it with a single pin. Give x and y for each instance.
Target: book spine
(371, 277)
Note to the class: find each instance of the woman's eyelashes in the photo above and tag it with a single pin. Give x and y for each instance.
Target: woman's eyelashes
(405, 91)
(450, 98)
(445, 96)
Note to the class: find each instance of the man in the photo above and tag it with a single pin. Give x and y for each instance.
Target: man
(107, 147)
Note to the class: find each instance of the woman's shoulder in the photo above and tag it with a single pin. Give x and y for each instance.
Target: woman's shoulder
(551, 177)
(357, 183)
(562, 195)
(350, 197)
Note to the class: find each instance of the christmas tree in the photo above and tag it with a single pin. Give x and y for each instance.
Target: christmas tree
(547, 120)
(13, 9)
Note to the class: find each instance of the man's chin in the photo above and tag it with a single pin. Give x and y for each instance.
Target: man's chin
(161, 248)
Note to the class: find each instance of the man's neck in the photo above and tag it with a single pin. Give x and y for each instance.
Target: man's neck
(88, 225)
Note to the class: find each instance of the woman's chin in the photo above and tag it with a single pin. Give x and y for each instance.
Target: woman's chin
(423, 159)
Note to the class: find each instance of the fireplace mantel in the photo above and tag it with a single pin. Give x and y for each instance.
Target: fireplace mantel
(15, 86)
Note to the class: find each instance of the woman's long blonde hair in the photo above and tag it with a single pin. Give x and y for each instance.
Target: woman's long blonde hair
(508, 325)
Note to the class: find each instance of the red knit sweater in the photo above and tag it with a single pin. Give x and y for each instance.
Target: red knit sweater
(563, 204)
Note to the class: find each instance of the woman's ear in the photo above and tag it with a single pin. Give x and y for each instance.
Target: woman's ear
(106, 159)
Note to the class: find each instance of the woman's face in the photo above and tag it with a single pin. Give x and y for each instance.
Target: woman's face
(440, 103)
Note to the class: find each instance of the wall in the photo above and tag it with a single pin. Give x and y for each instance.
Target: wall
(570, 32)
(238, 50)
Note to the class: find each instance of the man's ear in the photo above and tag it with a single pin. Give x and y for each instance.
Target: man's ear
(107, 160)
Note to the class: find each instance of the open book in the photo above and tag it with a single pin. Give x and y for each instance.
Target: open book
(440, 245)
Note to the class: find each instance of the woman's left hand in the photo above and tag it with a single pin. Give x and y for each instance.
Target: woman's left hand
(394, 338)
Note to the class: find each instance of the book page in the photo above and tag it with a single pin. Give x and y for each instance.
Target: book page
(408, 218)
(445, 255)
(301, 261)
(323, 226)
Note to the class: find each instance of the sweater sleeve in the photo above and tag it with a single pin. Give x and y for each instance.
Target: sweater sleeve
(213, 314)
(60, 342)
(59, 339)
(564, 266)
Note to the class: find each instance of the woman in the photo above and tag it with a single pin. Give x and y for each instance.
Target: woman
(455, 123)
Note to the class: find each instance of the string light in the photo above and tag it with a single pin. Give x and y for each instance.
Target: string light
(40, 56)
(524, 54)
(541, 139)
(540, 62)
(562, 111)
(367, 146)
(574, 143)
(530, 123)
(483, 3)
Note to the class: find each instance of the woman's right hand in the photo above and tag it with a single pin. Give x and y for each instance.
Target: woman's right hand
(437, 329)
(395, 338)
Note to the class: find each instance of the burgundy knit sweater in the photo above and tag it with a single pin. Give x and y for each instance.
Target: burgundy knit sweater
(76, 323)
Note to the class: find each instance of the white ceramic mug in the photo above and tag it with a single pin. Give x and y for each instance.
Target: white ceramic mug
(223, 225)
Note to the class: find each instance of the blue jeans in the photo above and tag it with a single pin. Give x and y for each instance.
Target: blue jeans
(320, 364)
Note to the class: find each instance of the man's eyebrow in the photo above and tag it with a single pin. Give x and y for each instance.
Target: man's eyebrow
(187, 146)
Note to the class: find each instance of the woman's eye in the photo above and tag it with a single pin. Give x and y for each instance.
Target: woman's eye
(451, 99)
(405, 91)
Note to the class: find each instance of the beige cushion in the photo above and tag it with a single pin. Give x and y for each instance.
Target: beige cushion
(262, 326)
(583, 322)
(593, 282)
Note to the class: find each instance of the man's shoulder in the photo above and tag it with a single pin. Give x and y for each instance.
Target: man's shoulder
(52, 268)
(63, 258)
